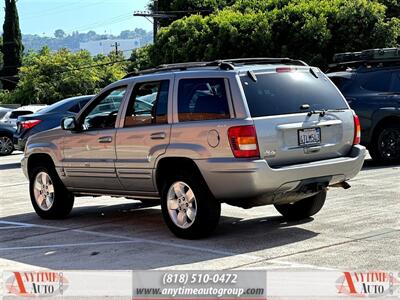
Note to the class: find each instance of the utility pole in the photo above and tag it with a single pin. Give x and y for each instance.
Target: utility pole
(116, 45)
(156, 15)
(155, 22)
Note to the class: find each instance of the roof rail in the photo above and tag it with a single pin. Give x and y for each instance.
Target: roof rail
(223, 64)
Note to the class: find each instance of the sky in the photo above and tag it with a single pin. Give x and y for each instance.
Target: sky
(44, 17)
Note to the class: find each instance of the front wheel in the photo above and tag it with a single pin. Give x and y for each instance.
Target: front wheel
(302, 209)
(189, 209)
(49, 197)
(6, 145)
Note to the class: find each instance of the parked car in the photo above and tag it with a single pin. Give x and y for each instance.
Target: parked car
(3, 111)
(246, 132)
(370, 81)
(6, 136)
(47, 118)
(11, 117)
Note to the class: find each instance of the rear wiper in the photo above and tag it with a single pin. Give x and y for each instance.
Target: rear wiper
(323, 112)
(315, 112)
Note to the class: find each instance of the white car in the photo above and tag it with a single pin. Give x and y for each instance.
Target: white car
(11, 117)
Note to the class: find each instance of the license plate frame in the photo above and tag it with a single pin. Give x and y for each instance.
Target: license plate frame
(309, 136)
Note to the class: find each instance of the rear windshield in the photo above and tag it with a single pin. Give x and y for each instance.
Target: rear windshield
(15, 114)
(284, 93)
(343, 83)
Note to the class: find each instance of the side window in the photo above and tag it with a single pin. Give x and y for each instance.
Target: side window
(148, 104)
(396, 82)
(75, 109)
(103, 114)
(202, 99)
(377, 82)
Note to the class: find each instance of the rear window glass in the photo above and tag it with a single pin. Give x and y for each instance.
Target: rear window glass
(342, 83)
(285, 93)
(202, 99)
(17, 113)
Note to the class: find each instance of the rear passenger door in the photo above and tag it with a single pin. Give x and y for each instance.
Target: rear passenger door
(144, 134)
(202, 116)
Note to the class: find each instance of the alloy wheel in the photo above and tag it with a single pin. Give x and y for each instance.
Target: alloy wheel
(44, 191)
(6, 145)
(182, 205)
(389, 144)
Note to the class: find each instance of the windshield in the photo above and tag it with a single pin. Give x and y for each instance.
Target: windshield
(284, 93)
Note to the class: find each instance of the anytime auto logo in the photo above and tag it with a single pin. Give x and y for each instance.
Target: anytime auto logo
(36, 284)
(367, 283)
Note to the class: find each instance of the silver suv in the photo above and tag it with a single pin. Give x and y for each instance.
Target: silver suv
(246, 132)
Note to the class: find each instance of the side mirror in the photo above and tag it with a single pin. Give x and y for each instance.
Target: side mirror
(69, 123)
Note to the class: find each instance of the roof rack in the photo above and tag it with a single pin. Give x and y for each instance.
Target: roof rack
(223, 64)
(366, 57)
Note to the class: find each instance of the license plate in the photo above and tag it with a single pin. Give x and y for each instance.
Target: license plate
(309, 136)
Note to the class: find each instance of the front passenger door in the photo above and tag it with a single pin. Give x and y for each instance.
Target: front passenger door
(89, 154)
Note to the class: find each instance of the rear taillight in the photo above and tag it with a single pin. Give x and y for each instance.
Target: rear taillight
(243, 140)
(29, 124)
(357, 130)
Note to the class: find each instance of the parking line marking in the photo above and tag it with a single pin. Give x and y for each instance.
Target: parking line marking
(14, 184)
(16, 224)
(12, 227)
(65, 245)
(128, 240)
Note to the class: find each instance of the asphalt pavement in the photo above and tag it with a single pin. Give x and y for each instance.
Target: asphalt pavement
(358, 229)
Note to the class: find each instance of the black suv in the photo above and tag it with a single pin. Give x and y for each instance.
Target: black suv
(370, 81)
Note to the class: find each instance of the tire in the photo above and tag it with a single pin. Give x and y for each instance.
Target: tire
(6, 145)
(385, 146)
(195, 216)
(57, 202)
(302, 209)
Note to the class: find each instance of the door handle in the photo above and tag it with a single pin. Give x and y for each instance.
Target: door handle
(105, 139)
(158, 136)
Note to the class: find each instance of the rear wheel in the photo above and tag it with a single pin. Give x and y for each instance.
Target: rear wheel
(6, 145)
(302, 209)
(386, 144)
(189, 209)
(49, 197)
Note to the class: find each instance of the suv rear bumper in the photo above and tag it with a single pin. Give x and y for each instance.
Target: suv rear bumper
(230, 179)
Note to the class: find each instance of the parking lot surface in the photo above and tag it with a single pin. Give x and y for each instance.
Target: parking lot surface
(358, 229)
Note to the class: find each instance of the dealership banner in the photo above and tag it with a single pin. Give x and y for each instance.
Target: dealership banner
(229, 284)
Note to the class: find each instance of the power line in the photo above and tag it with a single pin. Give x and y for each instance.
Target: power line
(111, 21)
(63, 10)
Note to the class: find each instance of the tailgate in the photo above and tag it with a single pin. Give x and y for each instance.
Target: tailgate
(299, 115)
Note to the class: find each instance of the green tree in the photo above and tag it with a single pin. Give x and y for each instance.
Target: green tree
(1, 53)
(312, 30)
(393, 8)
(186, 7)
(12, 44)
(59, 34)
(47, 77)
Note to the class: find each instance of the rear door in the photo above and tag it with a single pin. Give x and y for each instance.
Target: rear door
(144, 134)
(300, 116)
